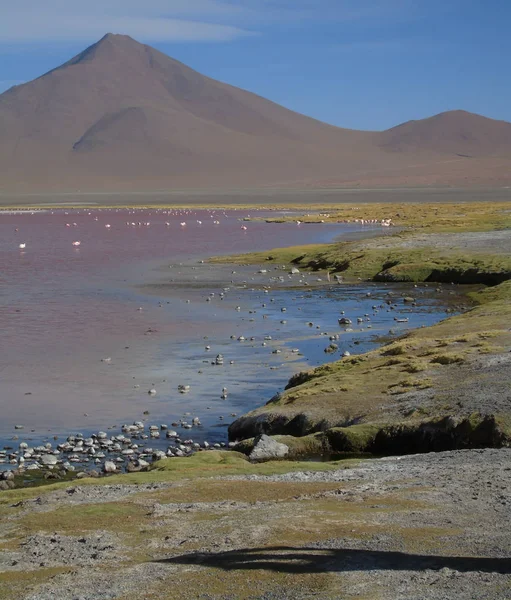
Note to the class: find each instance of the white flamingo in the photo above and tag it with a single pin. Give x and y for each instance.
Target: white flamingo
(76, 243)
(108, 226)
(23, 246)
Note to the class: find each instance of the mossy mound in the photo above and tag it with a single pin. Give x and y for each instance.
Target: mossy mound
(426, 435)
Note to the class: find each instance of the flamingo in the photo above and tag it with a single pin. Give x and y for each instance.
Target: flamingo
(107, 226)
(183, 224)
(76, 243)
(243, 227)
(23, 246)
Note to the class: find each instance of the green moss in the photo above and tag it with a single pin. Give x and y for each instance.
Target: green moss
(357, 438)
(447, 359)
(407, 272)
(114, 516)
(15, 584)
(199, 465)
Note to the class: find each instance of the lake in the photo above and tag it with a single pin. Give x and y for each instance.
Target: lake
(89, 329)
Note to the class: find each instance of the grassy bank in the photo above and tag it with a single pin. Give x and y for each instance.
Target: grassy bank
(370, 261)
(435, 388)
(421, 216)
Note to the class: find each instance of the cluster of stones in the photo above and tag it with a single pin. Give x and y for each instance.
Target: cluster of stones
(101, 453)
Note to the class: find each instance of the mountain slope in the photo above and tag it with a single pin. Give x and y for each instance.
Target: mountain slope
(124, 116)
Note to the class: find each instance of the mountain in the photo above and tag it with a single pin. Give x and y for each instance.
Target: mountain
(123, 116)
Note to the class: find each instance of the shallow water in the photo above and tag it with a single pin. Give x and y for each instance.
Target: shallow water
(64, 308)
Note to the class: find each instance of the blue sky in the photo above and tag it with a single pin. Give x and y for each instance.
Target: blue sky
(365, 64)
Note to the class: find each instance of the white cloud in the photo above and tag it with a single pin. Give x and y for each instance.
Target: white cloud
(181, 20)
(152, 20)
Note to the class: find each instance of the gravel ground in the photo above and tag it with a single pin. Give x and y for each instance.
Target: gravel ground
(429, 526)
(494, 242)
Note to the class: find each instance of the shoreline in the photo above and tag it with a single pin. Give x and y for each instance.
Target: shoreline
(302, 198)
(399, 411)
(145, 442)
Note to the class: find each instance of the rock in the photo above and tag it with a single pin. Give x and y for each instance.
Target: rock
(49, 459)
(344, 321)
(266, 448)
(109, 467)
(408, 300)
(8, 475)
(131, 467)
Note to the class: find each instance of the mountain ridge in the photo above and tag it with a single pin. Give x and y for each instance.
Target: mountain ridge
(123, 115)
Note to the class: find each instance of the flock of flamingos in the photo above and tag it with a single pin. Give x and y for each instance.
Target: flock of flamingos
(183, 224)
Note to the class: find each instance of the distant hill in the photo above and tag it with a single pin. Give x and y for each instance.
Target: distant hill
(455, 132)
(123, 116)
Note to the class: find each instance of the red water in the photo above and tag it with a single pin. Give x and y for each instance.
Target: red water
(63, 308)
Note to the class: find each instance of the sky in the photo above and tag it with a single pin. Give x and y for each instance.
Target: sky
(362, 64)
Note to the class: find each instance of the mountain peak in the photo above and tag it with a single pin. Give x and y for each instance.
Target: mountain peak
(117, 39)
(109, 47)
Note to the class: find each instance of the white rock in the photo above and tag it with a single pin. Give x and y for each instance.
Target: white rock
(266, 448)
(49, 459)
(109, 467)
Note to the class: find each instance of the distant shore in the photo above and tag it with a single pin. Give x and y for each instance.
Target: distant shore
(263, 197)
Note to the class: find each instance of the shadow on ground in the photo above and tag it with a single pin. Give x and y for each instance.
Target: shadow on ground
(286, 559)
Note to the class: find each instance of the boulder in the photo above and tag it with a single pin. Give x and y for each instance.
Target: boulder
(266, 448)
(49, 459)
(109, 467)
(131, 467)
